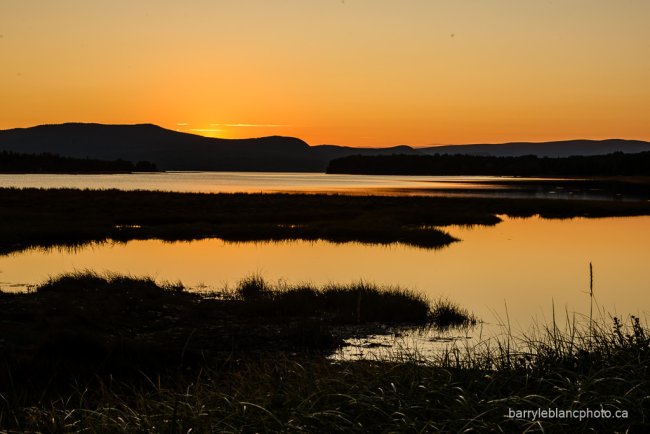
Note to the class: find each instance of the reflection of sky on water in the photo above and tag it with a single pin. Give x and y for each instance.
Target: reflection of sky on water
(212, 182)
(512, 273)
(269, 182)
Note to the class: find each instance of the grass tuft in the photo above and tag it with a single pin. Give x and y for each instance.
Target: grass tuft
(446, 314)
(253, 287)
(88, 281)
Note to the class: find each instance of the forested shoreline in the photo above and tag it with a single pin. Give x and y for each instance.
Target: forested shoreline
(11, 162)
(615, 164)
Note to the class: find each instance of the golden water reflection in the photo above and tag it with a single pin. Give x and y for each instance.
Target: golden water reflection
(517, 269)
(256, 182)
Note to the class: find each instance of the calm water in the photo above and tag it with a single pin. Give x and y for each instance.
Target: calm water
(513, 273)
(212, 182)
(268, 182)
(517, 269)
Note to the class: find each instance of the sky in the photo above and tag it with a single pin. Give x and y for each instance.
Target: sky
(347, 72)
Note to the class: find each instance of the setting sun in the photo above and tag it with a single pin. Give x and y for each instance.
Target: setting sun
(361, 73)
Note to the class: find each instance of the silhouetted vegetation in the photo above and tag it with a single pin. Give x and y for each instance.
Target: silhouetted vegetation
(348, 304)
(70, 379)
(84, 324)
(11, 162)
(616, 164)
(35, 217)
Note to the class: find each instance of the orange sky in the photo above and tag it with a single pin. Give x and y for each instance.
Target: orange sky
(354, 72)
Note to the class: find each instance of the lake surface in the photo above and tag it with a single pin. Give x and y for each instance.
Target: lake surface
(272, 182)
(513, 272)
(229, 182)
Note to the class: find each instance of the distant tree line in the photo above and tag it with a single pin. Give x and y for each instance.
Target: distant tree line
(11, 162)
(614, 164)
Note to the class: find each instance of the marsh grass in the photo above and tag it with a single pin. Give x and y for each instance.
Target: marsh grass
(359, 302)
(445, 314)
(472, 393)
(586, 363)
(253, 287)
(66, 217)
(107, 283)
(85, 325)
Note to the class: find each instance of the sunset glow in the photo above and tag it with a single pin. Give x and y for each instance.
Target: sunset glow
(353, 72)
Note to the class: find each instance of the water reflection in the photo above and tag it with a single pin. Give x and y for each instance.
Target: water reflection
(256, 182)
(248, 182)
(514, 273)
(427, 344)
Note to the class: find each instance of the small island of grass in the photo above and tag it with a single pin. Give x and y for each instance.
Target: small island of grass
(47, 217)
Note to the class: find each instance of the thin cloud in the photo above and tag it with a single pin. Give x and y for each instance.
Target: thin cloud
(182, 124)
(249, 125)
(205, 130)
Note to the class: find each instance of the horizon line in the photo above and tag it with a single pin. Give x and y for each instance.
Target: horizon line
(432, 145)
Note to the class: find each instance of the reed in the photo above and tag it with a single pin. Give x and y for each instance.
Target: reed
(476, 392)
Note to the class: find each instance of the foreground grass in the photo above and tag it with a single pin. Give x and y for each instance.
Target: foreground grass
(85, 325)
(34, 217)
(589, 368)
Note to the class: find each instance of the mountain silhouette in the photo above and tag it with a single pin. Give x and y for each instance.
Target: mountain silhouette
(564, 148)
(173, 150)
(169, 150)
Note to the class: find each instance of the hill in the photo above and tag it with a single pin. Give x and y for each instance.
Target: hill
(330, 152)
(169, 150)
(173, 150)
(565, 148)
